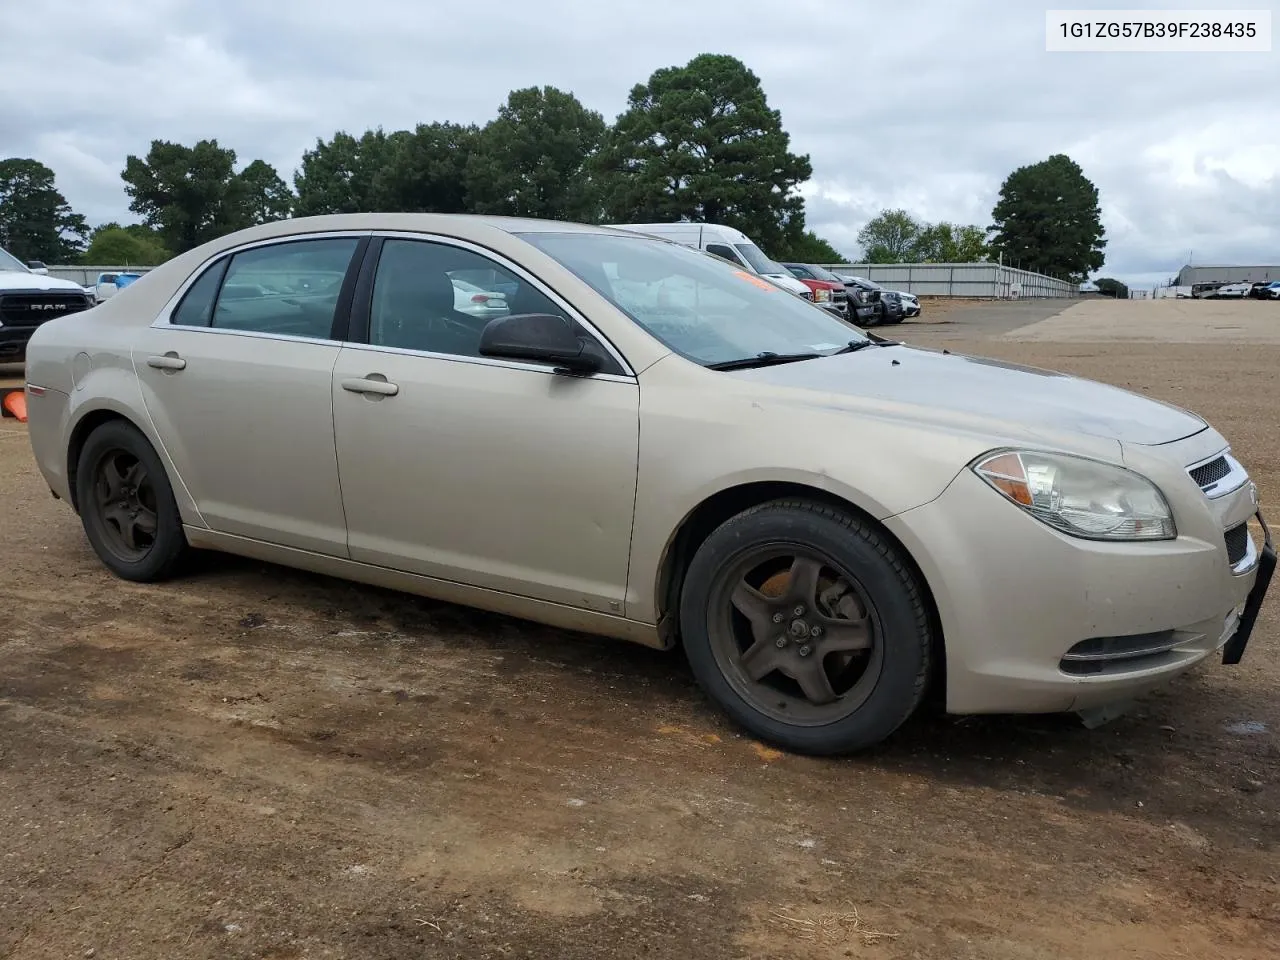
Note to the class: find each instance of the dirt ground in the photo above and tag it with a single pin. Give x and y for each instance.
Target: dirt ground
(254, 762)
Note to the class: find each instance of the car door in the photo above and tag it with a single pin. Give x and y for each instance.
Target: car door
(237, 379)
(498, 474)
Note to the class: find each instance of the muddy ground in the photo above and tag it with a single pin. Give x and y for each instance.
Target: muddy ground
(254, 762)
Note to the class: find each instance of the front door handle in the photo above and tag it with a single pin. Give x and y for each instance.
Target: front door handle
(370, 385)
(170, 361)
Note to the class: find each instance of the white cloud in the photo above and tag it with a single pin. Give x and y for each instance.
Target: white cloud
(925, 105)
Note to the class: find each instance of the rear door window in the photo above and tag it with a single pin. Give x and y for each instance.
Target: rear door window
(288, 289)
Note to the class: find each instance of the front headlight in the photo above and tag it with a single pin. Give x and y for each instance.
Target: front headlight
(822, 295)
(1080, 497)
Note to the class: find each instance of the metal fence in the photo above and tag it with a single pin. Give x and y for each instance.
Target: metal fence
(87, 275)
(984, 280)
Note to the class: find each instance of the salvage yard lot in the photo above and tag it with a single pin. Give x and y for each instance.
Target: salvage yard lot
(254, 762)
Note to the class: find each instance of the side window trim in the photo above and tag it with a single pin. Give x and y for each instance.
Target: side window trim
(222, 261)
(362, 303)
(733, 254)
(358, 334)
(220, 267)
(346, 293)
(217, 294)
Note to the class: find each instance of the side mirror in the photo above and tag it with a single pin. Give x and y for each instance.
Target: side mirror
(35, 266)
(541, 337)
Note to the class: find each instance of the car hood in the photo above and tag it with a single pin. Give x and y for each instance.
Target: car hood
(1021, 400)
(14, 280)
(786, 280)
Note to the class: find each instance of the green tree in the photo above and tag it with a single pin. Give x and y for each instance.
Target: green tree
(425, 171)
(1048, 220)
(1112, 288)
(258, 195)
(532, 159)
(700, 142)
(36, 222)
(951, 243)
(890, 237)
(809, 248)
(193, 194)
(136, 245)
(340, 176)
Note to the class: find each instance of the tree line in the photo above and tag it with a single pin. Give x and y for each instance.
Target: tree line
(697, 142)
(1047, 219)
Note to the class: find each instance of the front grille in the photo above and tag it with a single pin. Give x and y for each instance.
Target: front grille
(1210, 473)
(33, 309)
(839, 296)
(1237, 539)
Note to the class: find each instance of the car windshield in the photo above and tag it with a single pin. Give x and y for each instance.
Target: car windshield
(11, 263)
(821, 273)
(699, 306)
(759, 262)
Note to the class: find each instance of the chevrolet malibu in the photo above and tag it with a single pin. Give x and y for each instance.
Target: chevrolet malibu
(650, 444)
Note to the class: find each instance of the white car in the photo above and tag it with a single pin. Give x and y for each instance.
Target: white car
(727, 244)
(476, 301)
(109, 283)
(910, 304)
(1232, 291)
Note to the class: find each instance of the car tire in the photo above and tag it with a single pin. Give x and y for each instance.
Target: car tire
(127, 506)
(763, 666)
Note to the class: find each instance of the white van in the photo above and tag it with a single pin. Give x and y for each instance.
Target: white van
(724, 242)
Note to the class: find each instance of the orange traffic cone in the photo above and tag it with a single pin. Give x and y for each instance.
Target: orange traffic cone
(16, 404)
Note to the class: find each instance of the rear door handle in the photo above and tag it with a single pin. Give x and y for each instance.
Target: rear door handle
(369, 385)
(170, 361)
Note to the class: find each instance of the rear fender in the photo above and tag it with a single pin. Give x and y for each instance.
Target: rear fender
(109, 386)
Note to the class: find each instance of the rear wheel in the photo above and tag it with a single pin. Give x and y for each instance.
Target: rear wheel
(127, 505)
(807, 627)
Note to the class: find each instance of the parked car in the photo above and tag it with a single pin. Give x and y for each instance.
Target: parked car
(607, 460)
(1231, 291)
(727, 244)
(910, 302)
(1272, 291)
(887, 303)
(109, 283)
(826, 286)
(28, 299)
(1260, 290)
(469, 298)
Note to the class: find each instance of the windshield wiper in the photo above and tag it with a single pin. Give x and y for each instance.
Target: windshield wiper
(854, 346)
(765, 359)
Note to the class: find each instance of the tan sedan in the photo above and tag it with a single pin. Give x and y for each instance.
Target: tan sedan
(652, 445)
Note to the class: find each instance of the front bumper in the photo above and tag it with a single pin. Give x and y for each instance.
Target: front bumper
(1016, 597)
(13, 343)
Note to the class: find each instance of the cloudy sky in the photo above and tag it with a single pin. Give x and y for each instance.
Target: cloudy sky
(924, 104)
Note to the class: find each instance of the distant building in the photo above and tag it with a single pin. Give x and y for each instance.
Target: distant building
(1190, 276)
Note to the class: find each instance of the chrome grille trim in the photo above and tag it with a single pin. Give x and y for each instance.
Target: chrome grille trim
(1218, 475)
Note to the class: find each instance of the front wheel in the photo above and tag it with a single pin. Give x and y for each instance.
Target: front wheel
(127, 505)
(807, 627)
